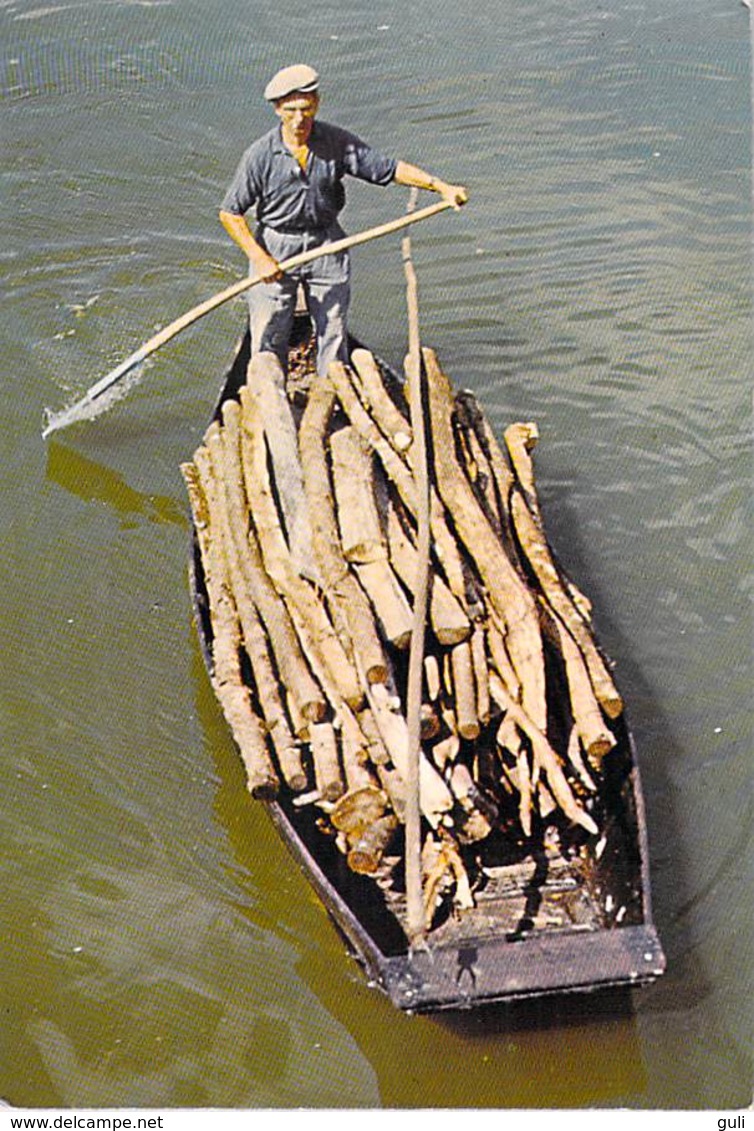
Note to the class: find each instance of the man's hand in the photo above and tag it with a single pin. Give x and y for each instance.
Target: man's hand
(454, 194)
(414, 177)
(263, 265)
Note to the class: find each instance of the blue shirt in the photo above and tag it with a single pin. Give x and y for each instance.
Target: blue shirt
(291, 199)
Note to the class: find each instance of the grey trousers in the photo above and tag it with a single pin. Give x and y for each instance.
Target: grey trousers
(327, 285)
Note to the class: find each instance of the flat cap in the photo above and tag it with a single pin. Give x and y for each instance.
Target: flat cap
(298, 79)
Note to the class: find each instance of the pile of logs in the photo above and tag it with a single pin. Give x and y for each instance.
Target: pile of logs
(308, 544)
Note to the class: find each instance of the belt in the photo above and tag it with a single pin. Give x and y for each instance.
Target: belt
(297, 231)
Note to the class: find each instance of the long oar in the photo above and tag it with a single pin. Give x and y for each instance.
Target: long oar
(83, 408)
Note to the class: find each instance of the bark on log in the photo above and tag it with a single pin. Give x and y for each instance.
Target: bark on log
(327, 772)
(464, 690)
(357, 810)
(234, 697)
(256, 643)
(576, 760)
(500, 659)
(388, 601)
(341, 588)
(266, 385)
(477, 464)
(432, 677)
(481, 674)
(538, 553)
(225, 449)
(400, 475)
(379, 402)
(361, 535)
(449, 622)
(435, 795)
(319, 641)
(367, 852)
(501, 472)
(506, 592)
(520, 440)
(597, 738)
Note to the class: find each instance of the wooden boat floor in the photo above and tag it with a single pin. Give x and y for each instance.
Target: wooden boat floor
(549, 893)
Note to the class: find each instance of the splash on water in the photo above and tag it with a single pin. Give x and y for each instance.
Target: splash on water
(90, 407)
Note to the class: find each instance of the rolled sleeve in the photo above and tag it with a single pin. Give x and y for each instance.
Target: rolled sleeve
(243, 191)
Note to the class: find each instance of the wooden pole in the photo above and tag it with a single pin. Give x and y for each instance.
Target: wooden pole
(415, 914)
(78, 410)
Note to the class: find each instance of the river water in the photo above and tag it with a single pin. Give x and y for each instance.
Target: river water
(158, 945)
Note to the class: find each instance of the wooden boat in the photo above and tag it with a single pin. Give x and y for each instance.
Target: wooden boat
(550, 914)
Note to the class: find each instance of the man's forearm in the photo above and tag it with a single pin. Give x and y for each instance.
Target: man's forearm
(239, 232)
(414, 177)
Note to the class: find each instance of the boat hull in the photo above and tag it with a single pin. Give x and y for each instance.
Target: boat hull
(498, 952)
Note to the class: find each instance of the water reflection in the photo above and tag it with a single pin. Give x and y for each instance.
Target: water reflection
(94, 482)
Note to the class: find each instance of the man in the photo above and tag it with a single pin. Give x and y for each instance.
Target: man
(292, 178)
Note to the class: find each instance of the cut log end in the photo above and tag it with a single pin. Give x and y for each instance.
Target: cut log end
(367, 852)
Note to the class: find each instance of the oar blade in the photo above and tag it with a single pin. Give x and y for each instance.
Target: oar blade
(100, 397)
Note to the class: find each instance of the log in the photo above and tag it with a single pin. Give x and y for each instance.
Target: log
(319, 641)
(506, 592)
(341, 588)
(597, 738)
(355, 750)
(327, 772)
(361, 535)
(429, 724)
(234, 697)
(390, 420)
(442, 863)
(367, 852)
(432, 677)
(377, 753)
(445, 752)
(256, 645)
(357, 810)
(545, 755)
(388, 601)
(500, 659)
(501, 473)
(476, 825)
(576, 760)
(521, 439)
(525, 787)
(395, 787)
(464, 690)
(539, 556)
(447, 617)
(400, 475)
(435, 795)
(291, 664)
(481, 674)
(477, 463)
(266, 385)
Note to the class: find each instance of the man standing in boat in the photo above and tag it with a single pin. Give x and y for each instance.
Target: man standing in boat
(293, 179)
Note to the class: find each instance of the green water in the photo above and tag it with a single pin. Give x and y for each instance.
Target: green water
(158, 945)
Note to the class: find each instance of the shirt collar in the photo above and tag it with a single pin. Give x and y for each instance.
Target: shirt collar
(279, 146)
